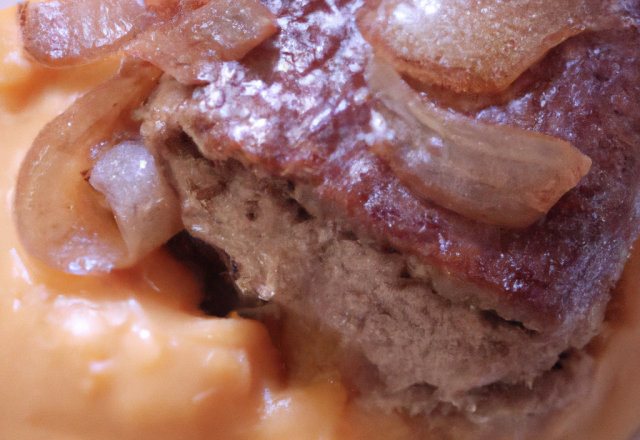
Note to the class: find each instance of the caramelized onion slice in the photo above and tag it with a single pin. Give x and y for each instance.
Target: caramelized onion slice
(61, 33)
(189, 46)
(491, 173)
(146, 209)
(474, 46)
(60, 218)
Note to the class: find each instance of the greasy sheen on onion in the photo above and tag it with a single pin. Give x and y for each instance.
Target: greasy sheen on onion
(61, 219)
(189, 46)
(495, 174)
(61, 33)
(183, 37)
(474, 46)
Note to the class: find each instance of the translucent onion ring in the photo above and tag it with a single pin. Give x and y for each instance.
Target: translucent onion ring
(495, 174)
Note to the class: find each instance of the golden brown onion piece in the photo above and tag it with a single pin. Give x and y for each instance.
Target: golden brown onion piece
(491, 173)
(60, 218)
(62, 33)
(474, 46)
(189, 46)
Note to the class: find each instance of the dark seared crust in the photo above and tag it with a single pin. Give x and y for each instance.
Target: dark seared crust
(298, 110)
(397, 341)
(313, 115)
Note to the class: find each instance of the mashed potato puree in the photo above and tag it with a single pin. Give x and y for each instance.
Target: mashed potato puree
(128, 355)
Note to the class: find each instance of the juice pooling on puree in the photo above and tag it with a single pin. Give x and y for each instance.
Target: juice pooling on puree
(128, 355)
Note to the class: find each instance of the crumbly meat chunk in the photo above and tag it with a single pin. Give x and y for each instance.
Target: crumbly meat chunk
(400, 342)
(297, 109)
(301, 109)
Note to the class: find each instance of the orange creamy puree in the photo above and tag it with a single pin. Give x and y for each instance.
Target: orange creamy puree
(128, 355)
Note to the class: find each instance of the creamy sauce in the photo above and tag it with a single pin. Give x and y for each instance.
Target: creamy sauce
(129, 356)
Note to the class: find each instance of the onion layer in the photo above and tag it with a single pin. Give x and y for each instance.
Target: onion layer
(62, 33)
(60, 218)
(189, 46)
(186, 38)
(474, 46)
(491, 173)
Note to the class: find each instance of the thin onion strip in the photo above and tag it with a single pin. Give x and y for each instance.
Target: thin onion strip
(60, 218)
(491, 173)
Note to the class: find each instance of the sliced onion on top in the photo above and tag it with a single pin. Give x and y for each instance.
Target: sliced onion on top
(491, 173)
(183, 37)
(62, 33)
(189, 46)
(474, 46)
(145, 206)
(60, 218)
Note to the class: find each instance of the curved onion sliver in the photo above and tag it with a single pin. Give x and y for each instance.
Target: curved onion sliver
(62, 33)
(190, 46)
(60, 218)
(491, 173)
(473, 46)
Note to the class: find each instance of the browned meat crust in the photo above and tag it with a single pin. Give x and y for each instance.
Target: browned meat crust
(399, 342)
(410, 284)
(303, 111)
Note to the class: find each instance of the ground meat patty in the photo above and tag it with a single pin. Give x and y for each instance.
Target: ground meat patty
(301, 108)
(272, 169)
(418, 349)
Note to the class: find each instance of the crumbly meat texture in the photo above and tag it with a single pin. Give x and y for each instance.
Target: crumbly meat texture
(353, 306)
(422, 292)
(298, 106)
